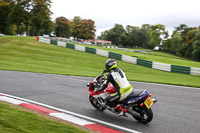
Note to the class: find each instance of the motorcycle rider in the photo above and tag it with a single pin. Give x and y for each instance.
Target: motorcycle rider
(118, 79)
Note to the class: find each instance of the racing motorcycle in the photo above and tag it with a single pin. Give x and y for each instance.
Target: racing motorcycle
(138, 104)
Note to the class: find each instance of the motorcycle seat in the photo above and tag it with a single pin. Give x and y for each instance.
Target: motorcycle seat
(136, 92)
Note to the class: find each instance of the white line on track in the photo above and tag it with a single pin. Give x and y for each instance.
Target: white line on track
(75, 114)
(178, 87)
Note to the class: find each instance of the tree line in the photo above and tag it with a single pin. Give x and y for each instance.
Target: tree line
(148, 36)
(184, 42)
(78, 28)
(32, 18)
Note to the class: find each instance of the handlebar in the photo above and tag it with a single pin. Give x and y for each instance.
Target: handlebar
(101, 75)
(97, 81)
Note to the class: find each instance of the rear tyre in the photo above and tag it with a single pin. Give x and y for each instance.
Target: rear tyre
(95, 104)
(146, 115)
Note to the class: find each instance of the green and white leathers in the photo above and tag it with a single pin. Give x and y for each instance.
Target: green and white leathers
(118, 79)
(123, 88)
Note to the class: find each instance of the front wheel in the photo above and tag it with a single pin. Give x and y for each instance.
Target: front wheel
(146, 115)
(95, 103)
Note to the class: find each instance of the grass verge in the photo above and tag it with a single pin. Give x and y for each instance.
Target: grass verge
(153, 56)
(26, 54)
(17, 120)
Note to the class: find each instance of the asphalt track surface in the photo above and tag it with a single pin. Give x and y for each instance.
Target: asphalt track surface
(177, 109)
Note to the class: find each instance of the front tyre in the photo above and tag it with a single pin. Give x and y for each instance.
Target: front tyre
(95, 104)
(146, 115)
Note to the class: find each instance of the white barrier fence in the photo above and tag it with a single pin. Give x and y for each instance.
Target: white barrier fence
(125, 58)
(161, 66)
(45, 40)
(129, 59)
(80, 48)
(102, 52)
(195, 71)
(62, 44)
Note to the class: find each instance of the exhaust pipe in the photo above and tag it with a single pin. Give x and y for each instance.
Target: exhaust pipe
(154, 100)
(134, 113)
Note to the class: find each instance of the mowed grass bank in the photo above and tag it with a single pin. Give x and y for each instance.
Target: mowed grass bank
(26, 54)
(153, 56)
(17, 120)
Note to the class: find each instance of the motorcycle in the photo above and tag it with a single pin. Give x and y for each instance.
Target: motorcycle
(138, 104)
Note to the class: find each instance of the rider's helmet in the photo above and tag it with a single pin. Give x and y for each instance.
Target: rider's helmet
(110, 65)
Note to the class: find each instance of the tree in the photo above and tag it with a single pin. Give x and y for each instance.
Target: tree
(141, 39)
(118, 34)
(182, 29)
(6, 26)
(25, 15)
(196, 46)
(186, 49)
(135, 37)
(196, 51)
(62, 27)
(76, 28)
(185, 42)
(171, 45)
(105, 35)
(18, 14)
(129, 39)
(40, 14)
(146, 29)
(82, 28)
(155, 34)
(88, 29)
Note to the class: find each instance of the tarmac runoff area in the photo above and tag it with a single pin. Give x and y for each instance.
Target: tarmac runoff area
(64, 115)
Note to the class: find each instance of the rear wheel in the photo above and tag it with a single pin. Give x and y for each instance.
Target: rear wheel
(95, 103)
(146, 115)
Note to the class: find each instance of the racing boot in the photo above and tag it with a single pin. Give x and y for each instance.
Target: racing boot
(122, 110)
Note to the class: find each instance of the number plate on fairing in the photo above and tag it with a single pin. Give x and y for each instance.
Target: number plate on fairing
(148, 102)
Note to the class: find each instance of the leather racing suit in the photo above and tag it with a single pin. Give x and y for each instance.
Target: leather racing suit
(123, 88)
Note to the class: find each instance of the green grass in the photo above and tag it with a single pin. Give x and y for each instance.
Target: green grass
(26, 54)
(153, 56)
(16, 120)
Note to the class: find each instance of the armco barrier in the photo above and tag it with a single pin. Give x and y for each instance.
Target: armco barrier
(62, 44)
(125, 58)
(80, 48)
(180, 69)
(90, 50)
(72, 46)
(162, 66)
(115, 56)
(45, 40)
(194, 71)
(129, 59)
(102, 52)
(53, 42)
(144, 63)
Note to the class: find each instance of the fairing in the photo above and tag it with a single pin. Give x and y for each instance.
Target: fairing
(134, 99)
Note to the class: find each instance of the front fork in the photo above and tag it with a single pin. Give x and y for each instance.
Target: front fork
(100, 101)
